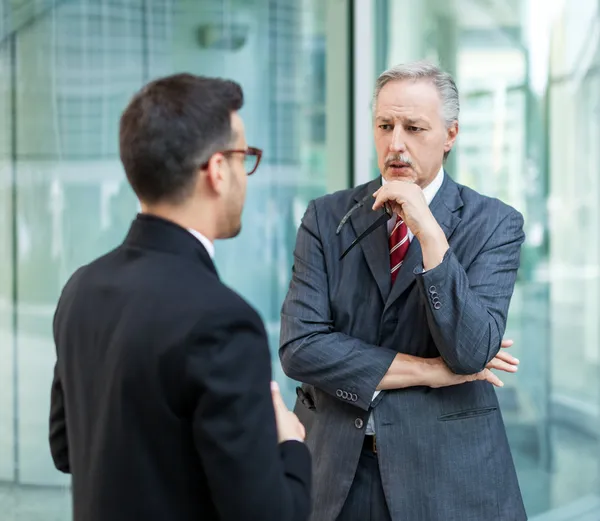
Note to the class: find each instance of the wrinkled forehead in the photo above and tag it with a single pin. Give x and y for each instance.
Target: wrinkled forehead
(408, 99)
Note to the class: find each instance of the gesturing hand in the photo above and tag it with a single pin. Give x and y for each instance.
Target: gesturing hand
(289, 426)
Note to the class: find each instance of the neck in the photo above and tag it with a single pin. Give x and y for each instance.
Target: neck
(185, 216)
(430, 179)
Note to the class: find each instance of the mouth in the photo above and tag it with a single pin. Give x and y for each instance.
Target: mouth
(398, 166)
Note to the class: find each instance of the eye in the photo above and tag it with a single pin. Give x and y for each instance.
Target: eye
(385, 126)
(414, 129)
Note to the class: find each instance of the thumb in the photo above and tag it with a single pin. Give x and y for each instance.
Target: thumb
(277, 399)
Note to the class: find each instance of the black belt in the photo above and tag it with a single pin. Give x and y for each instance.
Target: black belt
(370, 444)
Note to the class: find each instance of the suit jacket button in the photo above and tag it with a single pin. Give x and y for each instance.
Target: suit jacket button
(432, 289)
(339, 393)
(437, 305)
(354, 398)
(358, 423)
(345, 395)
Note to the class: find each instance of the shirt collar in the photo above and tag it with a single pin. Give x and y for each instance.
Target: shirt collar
(432, 188)
(210, 247)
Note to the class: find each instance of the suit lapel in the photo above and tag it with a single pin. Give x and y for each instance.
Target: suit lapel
(443, 207)
(375, 245)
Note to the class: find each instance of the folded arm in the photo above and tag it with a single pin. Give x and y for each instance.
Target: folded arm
(313, 352)
(467, 309)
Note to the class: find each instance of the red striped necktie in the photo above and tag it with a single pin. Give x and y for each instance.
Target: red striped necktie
(399, 244)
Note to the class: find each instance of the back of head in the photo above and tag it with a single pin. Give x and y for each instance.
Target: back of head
(171, 127)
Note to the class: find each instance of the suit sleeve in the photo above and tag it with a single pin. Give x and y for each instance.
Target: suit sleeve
(250, 476)
(311, 350)
(59, 443)
(467, 309)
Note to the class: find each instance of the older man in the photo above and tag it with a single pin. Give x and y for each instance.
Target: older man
(392, 341)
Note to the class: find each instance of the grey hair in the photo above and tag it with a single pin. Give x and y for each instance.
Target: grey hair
(421, 70)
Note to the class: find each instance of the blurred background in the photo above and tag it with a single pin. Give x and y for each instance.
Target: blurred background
(529, 78)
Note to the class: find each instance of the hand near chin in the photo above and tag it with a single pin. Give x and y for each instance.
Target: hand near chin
(406, 199)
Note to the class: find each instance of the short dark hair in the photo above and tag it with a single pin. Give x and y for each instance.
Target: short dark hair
(170, 128)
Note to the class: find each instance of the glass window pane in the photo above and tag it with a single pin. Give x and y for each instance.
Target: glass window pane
(529, 81)
(76, 65)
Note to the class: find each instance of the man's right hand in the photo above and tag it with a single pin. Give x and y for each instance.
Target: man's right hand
(288, 425)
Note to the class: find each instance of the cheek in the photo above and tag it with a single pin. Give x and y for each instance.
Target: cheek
(241, 196)
(432, 143)
(382, 146)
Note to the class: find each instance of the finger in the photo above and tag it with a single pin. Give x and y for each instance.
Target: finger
(506, 343)
(302, 430)
(509, 359)
(487, 375)
(277, 399)
(380, 199)
(500, 365)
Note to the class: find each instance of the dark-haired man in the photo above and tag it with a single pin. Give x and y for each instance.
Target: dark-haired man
(161, 407)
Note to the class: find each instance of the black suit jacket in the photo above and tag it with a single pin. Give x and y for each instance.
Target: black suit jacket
(161, 406)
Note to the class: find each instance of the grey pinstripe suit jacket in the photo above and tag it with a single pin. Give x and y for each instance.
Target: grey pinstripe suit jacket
(443, 453)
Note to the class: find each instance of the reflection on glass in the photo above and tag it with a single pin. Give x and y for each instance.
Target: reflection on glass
(529, 78)
(75, 65)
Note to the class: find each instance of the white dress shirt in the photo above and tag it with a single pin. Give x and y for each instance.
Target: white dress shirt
(210, 247)
(429, 192)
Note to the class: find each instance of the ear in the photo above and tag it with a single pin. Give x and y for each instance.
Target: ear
(451, 135)
(213, 173)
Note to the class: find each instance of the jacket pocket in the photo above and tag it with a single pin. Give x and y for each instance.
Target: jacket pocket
(471, 413)
(306, 399)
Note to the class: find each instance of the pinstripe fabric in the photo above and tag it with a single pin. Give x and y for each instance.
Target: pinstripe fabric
(443, 453)
(366, 501)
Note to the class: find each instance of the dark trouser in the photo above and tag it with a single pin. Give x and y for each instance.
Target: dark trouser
(365, 501)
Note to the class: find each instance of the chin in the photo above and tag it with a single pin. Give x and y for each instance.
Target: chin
(235, 232)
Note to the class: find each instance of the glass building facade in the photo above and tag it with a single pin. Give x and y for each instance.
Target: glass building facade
(529, 78)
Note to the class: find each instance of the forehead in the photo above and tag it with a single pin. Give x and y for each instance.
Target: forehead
(408, 97)
(237, 126)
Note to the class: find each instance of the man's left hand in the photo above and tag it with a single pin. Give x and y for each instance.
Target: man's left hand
(503, 361)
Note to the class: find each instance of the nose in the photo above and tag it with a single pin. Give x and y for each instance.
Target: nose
(398, 143)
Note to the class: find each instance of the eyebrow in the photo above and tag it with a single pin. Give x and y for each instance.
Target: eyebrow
(408, 121)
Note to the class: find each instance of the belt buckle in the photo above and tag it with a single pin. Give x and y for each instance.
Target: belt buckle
(374, 444)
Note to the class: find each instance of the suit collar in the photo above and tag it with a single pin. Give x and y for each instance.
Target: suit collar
(444, 207)
(208, 245)
(374, 246)
(150, 232)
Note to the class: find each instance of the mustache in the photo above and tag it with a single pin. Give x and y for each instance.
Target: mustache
(400, 158)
